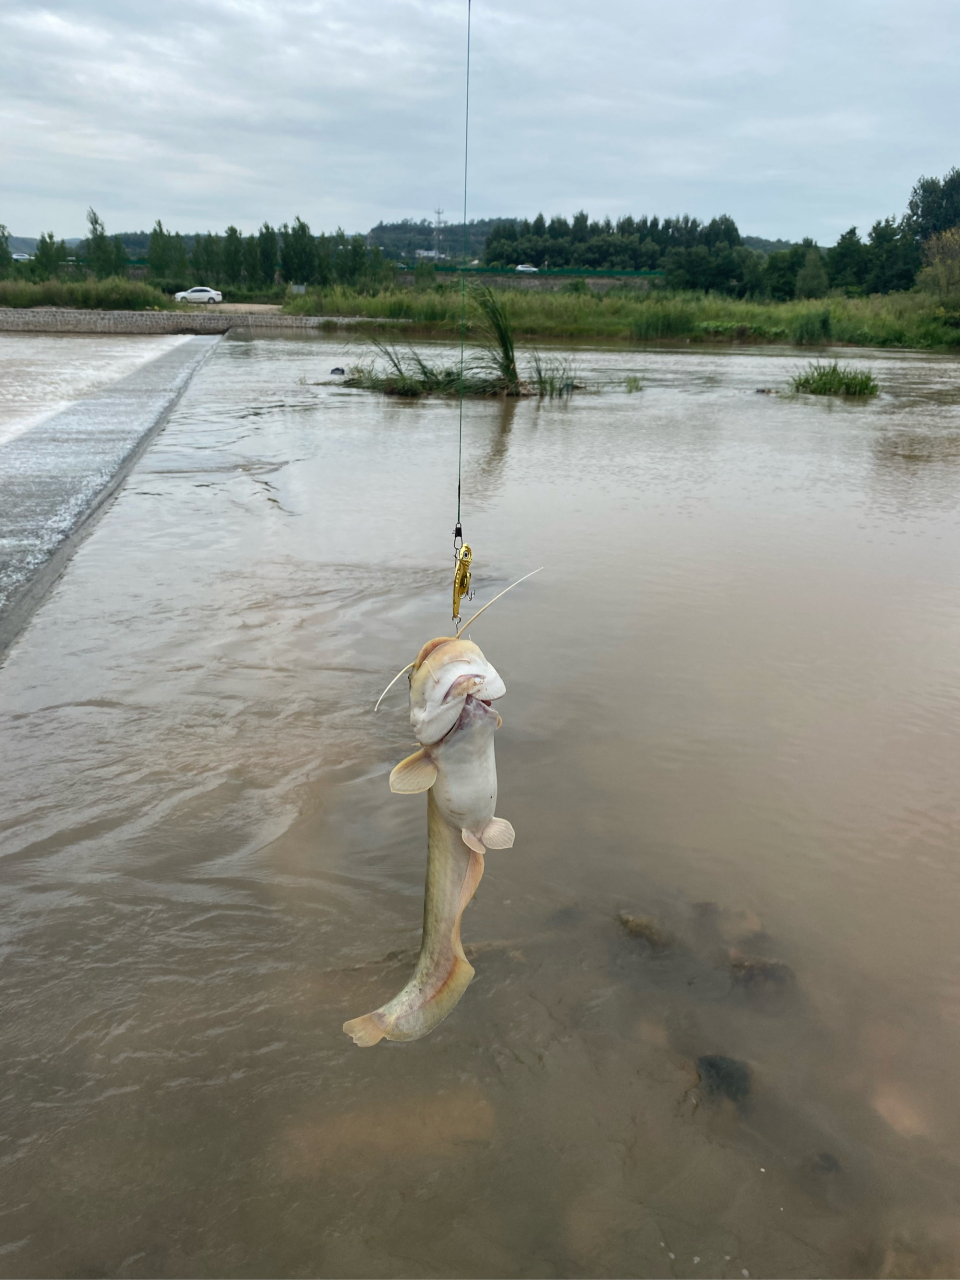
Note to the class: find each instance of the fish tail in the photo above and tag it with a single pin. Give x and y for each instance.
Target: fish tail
(365, 1030)
(443, 972)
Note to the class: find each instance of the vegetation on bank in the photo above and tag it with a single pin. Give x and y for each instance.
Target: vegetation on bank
(912, 319)
(835, 380)
(112, 294)
(898, 287)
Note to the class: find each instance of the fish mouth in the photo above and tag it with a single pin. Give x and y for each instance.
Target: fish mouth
(474, 711)
(471, 685)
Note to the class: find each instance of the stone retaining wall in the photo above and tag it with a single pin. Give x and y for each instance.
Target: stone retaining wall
(68, 320)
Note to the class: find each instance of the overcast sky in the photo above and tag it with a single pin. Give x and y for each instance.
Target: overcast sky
(798, 118)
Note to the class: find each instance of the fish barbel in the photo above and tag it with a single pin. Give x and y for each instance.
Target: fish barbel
(451, 688)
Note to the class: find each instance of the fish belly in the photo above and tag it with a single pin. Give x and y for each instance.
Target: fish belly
(466, 783)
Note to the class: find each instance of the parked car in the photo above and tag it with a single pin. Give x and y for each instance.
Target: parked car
(527, 268)
(21, 257)
(199, 293)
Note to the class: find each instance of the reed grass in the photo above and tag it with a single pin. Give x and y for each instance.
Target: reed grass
(835, 380)
(883, 320)
(552, 377)
(407, 373)
(112, 294)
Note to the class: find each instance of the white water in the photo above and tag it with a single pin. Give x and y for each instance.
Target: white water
(40, 374)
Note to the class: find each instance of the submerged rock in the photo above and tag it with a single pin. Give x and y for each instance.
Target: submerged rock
(648, 930)
(757, 973)
(725, 1077)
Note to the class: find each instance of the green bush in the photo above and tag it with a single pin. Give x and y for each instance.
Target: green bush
(112, 294)
(835, 380)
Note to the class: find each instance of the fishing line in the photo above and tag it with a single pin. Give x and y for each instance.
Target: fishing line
(462, 554)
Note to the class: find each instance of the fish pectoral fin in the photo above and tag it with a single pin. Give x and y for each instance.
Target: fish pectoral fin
(498, 834)
(416, 773)
(471, 841)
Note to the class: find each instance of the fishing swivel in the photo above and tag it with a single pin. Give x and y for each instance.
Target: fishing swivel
(463, 559)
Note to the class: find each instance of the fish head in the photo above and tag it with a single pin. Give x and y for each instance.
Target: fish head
(446, 672)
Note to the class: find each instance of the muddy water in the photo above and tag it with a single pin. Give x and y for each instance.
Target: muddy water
(732, 711)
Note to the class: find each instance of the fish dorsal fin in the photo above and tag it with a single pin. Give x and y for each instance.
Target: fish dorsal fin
(416, 773)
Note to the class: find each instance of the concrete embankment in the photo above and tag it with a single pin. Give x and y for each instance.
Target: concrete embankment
(68, 320)
(58, 476)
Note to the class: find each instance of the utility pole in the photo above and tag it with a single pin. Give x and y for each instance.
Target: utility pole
(436, 231)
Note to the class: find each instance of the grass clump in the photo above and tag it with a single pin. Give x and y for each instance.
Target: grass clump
(835, 380)
(552, 378)
(408, 374)
(491, 371)
(499, 352)
(112, 294)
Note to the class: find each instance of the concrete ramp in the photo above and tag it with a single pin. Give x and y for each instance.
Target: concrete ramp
(56, 478)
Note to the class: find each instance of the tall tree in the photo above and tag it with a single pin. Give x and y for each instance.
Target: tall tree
(297, 253)
(934, 205)
(267, 245)
(894, 256)
(50, 257)
(232, 256)
(941, 271)
(812, 279)
(177, 262)
(98, 249)
(251, 262)
(120, 259)
(206, 258)
(6, 257)
(158, 255)
(848, 262)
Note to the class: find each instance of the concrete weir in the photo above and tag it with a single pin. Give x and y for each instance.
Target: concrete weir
(56, 478)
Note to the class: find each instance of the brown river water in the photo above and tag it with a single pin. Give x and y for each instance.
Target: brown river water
(733, 709)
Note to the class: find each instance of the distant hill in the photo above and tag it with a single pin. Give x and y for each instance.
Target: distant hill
(28, 244)
(401, 240)
(766, 246)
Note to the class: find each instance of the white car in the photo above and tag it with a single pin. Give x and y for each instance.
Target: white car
(527, 269)
(199, 293)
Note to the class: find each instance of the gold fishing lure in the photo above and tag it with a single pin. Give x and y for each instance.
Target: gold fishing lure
(461, 578)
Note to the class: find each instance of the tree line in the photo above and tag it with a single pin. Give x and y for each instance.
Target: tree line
(274, 256)
(713, 257)
(705, 256)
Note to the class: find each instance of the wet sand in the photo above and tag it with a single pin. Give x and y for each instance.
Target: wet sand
(731, 715)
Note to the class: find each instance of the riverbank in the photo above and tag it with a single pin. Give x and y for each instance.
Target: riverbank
(883, 320)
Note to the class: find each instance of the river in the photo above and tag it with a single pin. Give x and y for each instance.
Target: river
(733, 710)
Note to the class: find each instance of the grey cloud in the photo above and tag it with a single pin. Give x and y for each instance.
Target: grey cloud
(795, 118)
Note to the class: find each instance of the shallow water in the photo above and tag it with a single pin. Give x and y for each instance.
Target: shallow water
(732, 708)
(43, 373)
